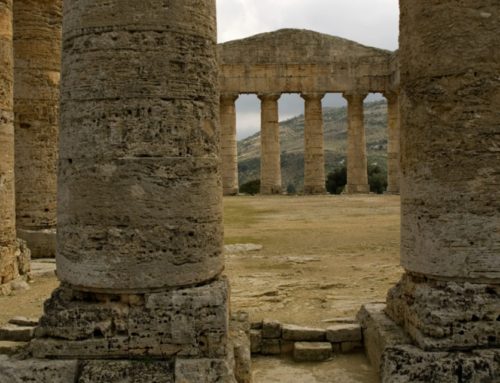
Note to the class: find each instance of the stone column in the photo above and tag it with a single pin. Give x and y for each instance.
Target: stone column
(37, 61)
(139, 203)
(270, 157)
(449, 297)
(393, 138)
(314, 157)
(357, 167)
(229, 144)
(12, 260)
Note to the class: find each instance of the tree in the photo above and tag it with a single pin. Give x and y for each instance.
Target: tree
(251, 187)
(336, 180)
(377, 178)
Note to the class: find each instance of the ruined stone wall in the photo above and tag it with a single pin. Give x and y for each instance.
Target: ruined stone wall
(37, 61)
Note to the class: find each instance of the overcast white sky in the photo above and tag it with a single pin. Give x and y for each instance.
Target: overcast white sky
(369, 22)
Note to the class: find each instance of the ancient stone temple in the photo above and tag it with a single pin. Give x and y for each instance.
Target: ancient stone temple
(140, 236)
(310, 64)
(37, 61)
(14, 256)
(448, 301)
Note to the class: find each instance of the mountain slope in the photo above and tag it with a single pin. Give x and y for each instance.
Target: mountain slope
(335, 140)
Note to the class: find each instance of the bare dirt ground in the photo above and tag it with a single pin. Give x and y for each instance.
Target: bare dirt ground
(321, 258)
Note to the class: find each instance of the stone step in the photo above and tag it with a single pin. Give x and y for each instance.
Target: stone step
(24, 321)
(11, 348)
(10, 332)
(348, 332)
(299, 333)
(312, 351)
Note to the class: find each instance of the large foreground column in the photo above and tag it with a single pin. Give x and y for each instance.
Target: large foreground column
(139, 196)
(270, 157)
(393, 137)
(357, 167)
(229, 144)
(13, 261)
(37, 61)
(448, 301)
(314, 157)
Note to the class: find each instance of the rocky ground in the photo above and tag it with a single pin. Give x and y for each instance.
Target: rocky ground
(299, 260)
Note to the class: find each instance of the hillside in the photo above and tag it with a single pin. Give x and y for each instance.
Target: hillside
(292, 144)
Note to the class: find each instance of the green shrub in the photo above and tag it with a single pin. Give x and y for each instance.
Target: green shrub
(250, 187)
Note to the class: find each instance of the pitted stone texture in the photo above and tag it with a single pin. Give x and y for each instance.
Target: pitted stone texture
(150, 145)
(203, 371)
(107, 371)
(449, 116)
(37, 61)
(229, 144)
(270, 157)
(409, 364)
(446, 315)
(37, 371)
(357, 170)
(314, 156)
(185, 322)
(239, 340)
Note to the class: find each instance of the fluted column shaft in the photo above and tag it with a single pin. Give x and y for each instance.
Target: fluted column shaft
(270, 159)
(357, 170)
(393, 137)
(37, 61)
(139, 202)
(229, 144)
(314, 157)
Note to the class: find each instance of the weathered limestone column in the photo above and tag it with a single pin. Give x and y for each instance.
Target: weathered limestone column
(270, 158)
(13, 261)
(357, 167)
(449, 298)
(37, 61)
(314, 156)
(229, 144)
(139, 203)
(393, 137)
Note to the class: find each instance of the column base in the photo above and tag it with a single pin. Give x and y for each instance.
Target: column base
(230, 191)
(446, 315)
(180, 335)
(14, 265)
(396, 359)
(314, 190)
(357, 189)
(277, 189)
(42, 243)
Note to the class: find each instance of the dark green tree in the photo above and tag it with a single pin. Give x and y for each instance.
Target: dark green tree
(336, 180)
(250, 187)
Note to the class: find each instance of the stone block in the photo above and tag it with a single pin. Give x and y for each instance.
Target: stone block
(270, 347)
(299, 333)
(11, 348)
(410, 364)
(379, 332)
(344, 333)
(271, 329)
(312, 351)
(135, 371)
(23, 321)
(16, 333)
(256, 325)
(202, 371)
(286, 346)
(346, 347)
(256, 341)
(37, 371)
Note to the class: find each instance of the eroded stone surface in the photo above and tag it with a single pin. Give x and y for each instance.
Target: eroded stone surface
(348, 332)
(107, 371)
(300, 333)
(312, 351)
(37, 371)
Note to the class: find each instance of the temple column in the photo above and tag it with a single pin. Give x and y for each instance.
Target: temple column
(393, 137)
(13, 261)
(139, 204)
(37, 61)
(448, 300)
(357, 167)
(229, 144)
(314, 157)
(270, 157)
